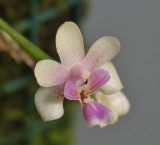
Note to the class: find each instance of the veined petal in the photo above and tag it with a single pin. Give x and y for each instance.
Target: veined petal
(50, 73)
(103, 50)
(118, 101)
(49, 102)
(69, 43)
(114, 84)
(97, 78)
(97, 114)
(71, 91)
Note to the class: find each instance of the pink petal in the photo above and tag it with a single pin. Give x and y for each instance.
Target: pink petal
(103, 50)
(50, 73)
(97, 114)
(69, 43)
(97, 78)
(71, 91)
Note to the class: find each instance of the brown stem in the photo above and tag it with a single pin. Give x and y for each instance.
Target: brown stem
(8, 45)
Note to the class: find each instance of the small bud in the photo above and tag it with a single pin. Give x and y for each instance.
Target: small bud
(118, 101)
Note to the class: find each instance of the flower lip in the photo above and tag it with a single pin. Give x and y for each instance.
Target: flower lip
(97, 114)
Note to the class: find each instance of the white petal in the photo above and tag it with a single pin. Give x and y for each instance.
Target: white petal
(49, 104)
(103, 50)
(69, 43)
(50, 73)
(117, 101)
(114, 84)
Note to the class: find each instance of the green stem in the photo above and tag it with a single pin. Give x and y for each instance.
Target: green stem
(28, 46)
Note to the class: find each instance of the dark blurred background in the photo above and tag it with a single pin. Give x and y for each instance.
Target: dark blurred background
(38, 20)
(134, 22)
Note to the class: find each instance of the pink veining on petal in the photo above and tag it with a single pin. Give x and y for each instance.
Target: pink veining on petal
(97, 79)
(71, 91)
(69, 43)
(50, 73)
(97, 114)
(103, 50)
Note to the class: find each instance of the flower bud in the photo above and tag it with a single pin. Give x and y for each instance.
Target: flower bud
(118, 101)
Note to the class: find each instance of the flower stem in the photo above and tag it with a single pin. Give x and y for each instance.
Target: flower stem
(28, 46)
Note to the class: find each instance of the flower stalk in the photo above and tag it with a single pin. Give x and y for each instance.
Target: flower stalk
(28, 46)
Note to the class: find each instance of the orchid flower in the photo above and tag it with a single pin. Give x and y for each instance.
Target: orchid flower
(78, 76)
